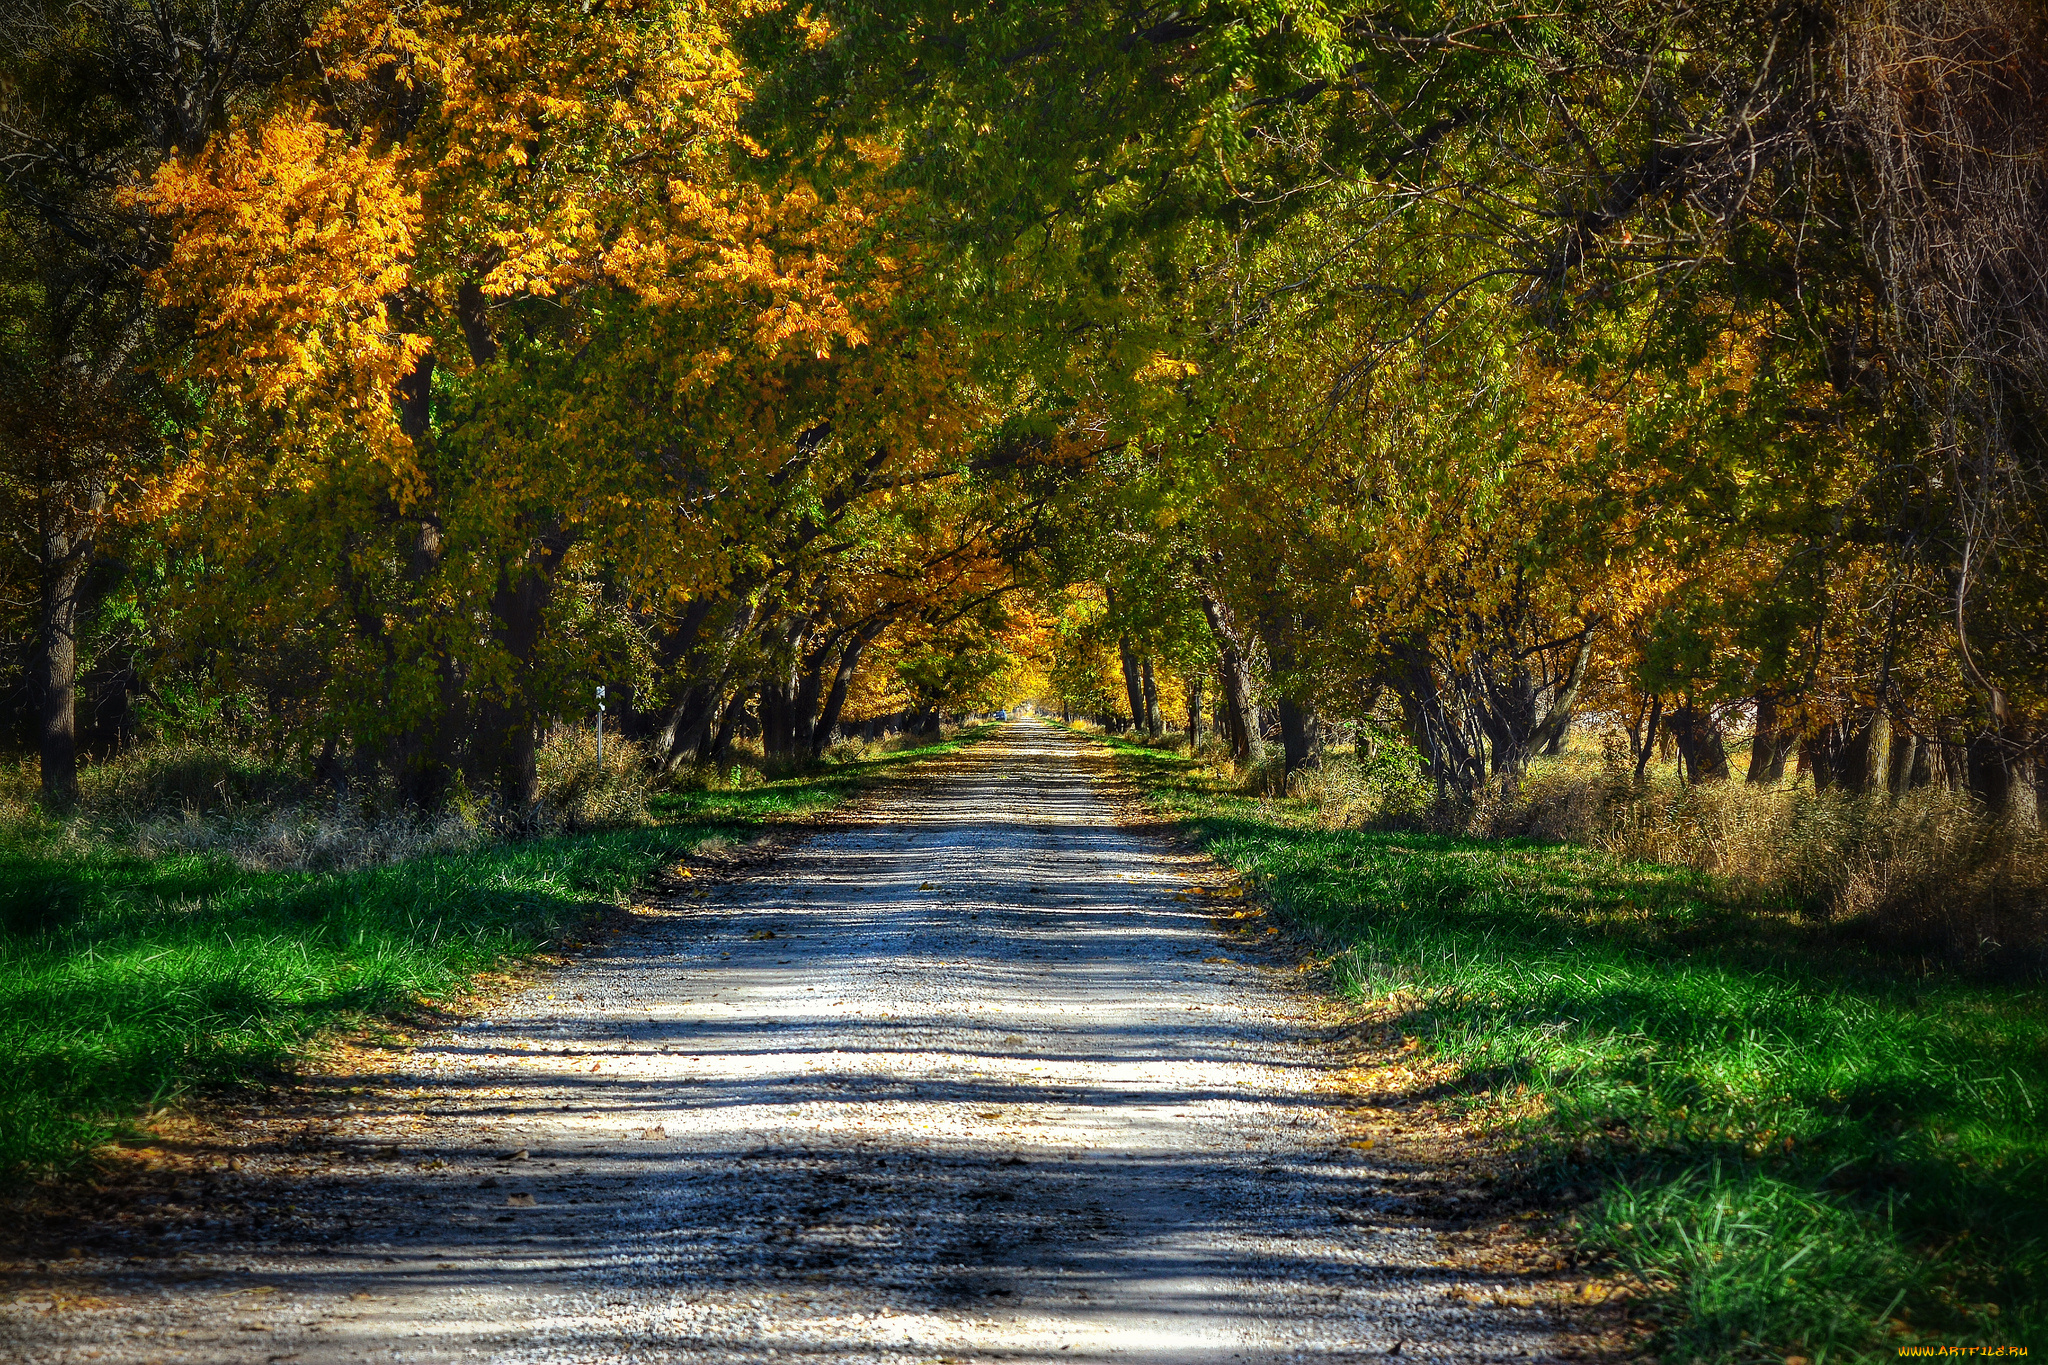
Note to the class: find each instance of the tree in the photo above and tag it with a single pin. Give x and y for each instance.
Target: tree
(94, 96)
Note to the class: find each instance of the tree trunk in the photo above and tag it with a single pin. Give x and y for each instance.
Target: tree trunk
(842, 679)
(1701, 742)
(65, 556)
(510, 734)
(774, 712)
(1920, 772)
(808, 696)
(704, 736)
(424, 755)
(1134, 686)
(1510, 699)
(1823, 754)
(680, 651)
(2002, 777)
(1770, 745)
(1299, 738)
(1866, 764)
(1450, 756)
(1899, 773)
(1155, 725)
(685, 722)
(1648, 746)
(728, 723)
(1194, 689)
(1247, 742)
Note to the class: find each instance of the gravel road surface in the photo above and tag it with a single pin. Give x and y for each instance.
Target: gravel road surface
(971, 1078)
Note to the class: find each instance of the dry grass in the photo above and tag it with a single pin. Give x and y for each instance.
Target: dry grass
(577, 792)
(263, 815)
(1925, 872)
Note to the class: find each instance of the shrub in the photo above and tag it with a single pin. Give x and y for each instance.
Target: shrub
(577, 792)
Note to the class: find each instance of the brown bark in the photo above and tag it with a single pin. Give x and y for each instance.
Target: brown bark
(1823, 754)
(1772, 742)
(1920, 771)
(1700, 739)
(1867, 761)
(1898, 774)
(65, 555)
(1299, 737)
(1247, 744)
(1155, 725)
(472, 311)
(728, 722)
(509, 736)
(1550, 734)
(842, 679)
(1653, 717)
(1134, 686)
(416, 399)
(2001, 775)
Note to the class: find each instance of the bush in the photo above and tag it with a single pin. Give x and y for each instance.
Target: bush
(1381, 783)
(577, 792)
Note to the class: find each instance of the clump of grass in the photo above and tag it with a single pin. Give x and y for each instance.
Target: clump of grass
(1925, 871)
(1801, 1145)
(580, 791)
(868, 750)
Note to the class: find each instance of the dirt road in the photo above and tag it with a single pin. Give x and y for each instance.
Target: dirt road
(970, 1079)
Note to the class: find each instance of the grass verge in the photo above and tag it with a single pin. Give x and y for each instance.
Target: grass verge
(127, 982)
(1799, 1150)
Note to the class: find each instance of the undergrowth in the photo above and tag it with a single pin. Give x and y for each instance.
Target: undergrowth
(132, 975)
(1800, 1146)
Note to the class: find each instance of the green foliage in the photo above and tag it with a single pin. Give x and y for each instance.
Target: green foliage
(1797, 1148)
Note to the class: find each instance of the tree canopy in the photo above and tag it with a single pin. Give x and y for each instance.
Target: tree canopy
(397, 373)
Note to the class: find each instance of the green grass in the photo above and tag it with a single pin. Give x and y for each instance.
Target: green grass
(129, 982)
(1799, 1149)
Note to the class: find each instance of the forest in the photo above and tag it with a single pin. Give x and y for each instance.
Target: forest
(1426, 384)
